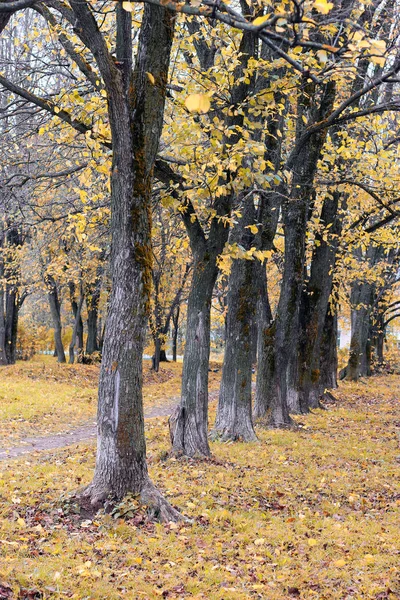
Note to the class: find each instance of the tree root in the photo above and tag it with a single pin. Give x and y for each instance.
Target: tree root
(158, 508)
(94, 497)
(229, 435)
(272, 423)
(329, 397)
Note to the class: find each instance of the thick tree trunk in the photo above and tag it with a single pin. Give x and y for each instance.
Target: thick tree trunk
(265, 350)
(136, 118)
(359, 359)
(303, 162)
(234, 415)
(189, 424)
(54, 304)
(328, 356)
(287, 318)
(315, 303)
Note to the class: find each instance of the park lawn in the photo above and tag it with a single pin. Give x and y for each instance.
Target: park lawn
(41, 396)
(312, 513)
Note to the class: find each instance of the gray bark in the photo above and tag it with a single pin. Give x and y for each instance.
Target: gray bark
(234, 415)
(136, 109)
(55, 310)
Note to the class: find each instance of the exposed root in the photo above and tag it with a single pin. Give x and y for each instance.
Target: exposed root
(228, 435)
(329, 397)
(157, 506)
(93, 498)
(273, 423)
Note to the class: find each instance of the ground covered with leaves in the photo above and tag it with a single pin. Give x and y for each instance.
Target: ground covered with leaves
(312, 513)
(41, 396)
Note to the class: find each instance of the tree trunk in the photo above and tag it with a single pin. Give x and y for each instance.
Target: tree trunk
(296, 209)
(315, 301)
(56, 316)
(265, 354)
(155, 360)
(328, 355)
(136, 109)
(3, 357)
(92, 305)
(380, 342)
(11, 323)
(77, 329)
(358, 365)
(234, 417)
(189, 424)
(175, 320)
(77, 334)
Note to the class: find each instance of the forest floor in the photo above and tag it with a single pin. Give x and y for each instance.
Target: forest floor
(312, 513)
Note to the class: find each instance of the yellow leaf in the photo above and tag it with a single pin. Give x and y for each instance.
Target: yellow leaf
(199, 103)
(21, 522)
(128, 6)
(312, 542)
(260, 20)
(151, 78)
(323, 6)
(259, 541)
(340, 563)
(253, 228)
(369, 558)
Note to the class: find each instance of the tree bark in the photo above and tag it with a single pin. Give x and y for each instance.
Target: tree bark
(359, 358)
(295, 215)
(265, 355)
(188, 424)
(3, 356)
(234, 415)
(77, 332)
(93, 292)
(136, 109)
(55, 310)
(175, 332)
(315, 301)
(328, 354)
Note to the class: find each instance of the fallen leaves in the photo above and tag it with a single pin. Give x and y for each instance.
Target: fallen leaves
(323, 523)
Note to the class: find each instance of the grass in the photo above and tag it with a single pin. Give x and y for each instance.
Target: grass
(42, 396)
(312, 513)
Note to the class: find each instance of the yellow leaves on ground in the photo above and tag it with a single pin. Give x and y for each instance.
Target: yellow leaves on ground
(340, 562)
(312, 542)
(198, 103)
(318, 524)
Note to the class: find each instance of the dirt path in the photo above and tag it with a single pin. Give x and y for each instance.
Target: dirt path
(85, 432)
